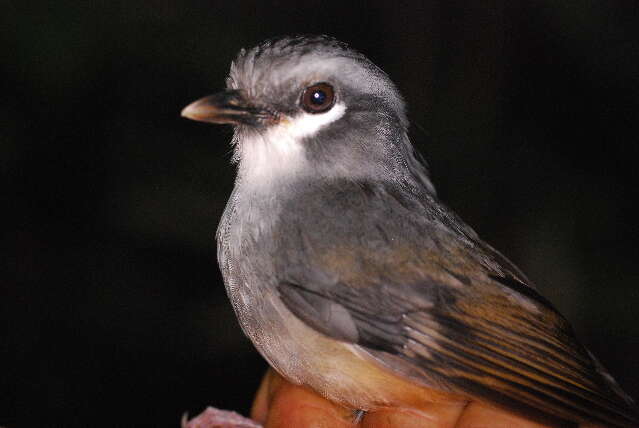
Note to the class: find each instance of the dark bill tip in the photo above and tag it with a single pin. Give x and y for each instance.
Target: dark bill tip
(228, 107)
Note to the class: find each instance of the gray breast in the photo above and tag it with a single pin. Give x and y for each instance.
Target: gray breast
(245, 237)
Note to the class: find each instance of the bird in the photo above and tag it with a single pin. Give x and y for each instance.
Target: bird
(348, 273)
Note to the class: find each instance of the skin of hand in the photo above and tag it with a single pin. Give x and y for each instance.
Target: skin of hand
(279, 404)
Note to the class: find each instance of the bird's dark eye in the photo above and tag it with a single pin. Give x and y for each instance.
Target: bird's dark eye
(318, 98)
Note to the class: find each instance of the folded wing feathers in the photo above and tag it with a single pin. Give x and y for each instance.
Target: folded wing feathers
(487, 357)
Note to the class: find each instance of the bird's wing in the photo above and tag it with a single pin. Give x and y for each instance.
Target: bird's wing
(479, 343)
(449, 317)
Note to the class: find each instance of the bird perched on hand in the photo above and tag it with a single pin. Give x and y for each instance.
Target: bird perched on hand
(352, 278)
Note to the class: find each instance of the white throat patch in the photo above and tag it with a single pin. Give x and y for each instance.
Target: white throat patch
(279, 150)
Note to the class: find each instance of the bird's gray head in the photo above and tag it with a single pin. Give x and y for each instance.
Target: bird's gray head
(311, 106)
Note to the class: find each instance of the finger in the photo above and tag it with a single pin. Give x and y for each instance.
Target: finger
(478, 415)
(296, 406)
(259, 409)
(433, 415)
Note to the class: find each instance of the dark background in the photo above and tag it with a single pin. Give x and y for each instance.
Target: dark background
(112, 307)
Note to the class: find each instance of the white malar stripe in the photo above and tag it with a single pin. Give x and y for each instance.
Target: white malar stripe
(280, 150)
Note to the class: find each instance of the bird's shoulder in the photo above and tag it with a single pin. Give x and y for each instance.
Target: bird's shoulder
(370, 210)
(374, 229)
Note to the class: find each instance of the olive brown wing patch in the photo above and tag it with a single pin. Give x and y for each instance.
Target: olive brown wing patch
(478, 341)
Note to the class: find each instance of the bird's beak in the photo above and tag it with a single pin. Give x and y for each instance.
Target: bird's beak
(227, 107)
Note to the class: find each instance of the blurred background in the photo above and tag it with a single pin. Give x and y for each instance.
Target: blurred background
(112, 306)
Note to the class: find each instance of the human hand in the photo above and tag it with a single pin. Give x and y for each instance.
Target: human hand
(280, 404)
